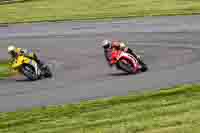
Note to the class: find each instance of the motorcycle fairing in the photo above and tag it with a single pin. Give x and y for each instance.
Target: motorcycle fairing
(22, 59)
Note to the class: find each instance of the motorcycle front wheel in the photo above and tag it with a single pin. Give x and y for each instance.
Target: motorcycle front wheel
(125, 66)
(29, 71)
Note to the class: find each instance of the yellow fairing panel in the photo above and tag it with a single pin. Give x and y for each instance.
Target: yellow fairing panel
(21, 59)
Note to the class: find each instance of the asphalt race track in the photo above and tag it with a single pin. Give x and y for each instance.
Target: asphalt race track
(169, 45)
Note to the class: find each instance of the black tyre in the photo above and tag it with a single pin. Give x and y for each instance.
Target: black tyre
(144, 66)
(47, 72)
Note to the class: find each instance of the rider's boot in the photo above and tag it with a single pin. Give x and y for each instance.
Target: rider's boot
(143, 66)
(137, 57)
(40, 63)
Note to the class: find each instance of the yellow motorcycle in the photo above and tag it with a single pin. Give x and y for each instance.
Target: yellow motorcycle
(30, 68)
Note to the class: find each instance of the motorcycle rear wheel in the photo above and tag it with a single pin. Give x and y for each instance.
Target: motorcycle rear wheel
(144, 66)
(47, 72)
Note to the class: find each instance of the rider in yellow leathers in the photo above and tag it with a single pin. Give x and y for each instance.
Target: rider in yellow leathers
(18, 53)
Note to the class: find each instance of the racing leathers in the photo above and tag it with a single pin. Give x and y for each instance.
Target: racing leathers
(122, 47)
(30, 53)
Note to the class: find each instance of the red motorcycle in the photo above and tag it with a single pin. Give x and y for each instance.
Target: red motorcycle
(126, 62)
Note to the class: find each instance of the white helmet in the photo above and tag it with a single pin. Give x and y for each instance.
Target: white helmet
(105, 43)
(11, 48)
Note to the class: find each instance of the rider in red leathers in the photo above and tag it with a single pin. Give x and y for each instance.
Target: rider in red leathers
(119, 45)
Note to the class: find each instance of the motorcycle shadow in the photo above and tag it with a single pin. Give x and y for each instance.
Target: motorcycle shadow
(24, 80)
(19, 78)
(120, 74)
(124, 74)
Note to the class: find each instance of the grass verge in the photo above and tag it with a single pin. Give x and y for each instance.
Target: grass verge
(4, 71)
(51, 10)
(173, 110)
(2, 2)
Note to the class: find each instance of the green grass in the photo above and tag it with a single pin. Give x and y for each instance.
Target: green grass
(173, 110)
(51, 10)
(4, 70)
(2, 2)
